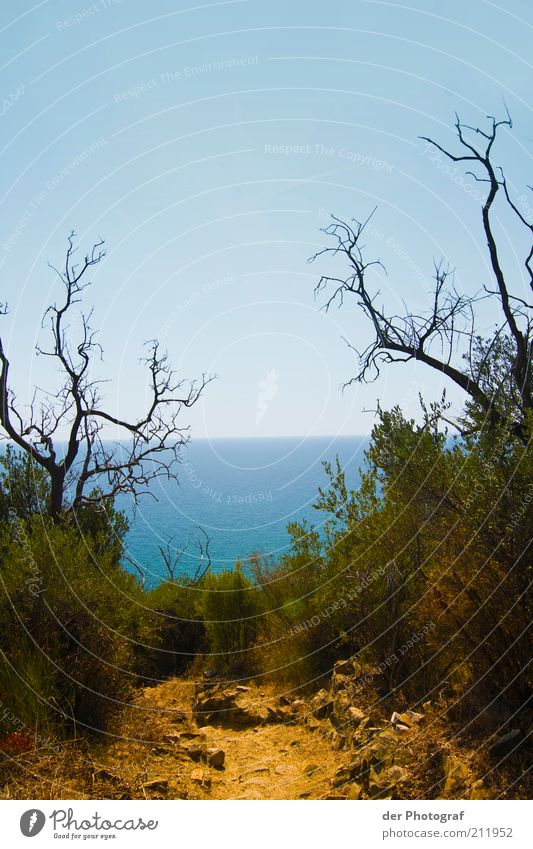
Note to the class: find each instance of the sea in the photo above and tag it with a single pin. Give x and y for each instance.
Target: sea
(234, 498)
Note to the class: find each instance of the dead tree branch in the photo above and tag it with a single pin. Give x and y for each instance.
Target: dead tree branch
(91, 470)
(434, 336)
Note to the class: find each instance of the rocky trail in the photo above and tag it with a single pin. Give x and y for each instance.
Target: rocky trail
(242, 745)
(235, 740)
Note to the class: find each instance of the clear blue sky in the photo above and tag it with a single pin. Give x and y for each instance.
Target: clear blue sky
(206, 145)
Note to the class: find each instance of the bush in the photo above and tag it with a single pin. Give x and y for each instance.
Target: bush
(230, 606)
(296, 643)
(70, 619)
(424, 570)
(24, 487)
(173, 610)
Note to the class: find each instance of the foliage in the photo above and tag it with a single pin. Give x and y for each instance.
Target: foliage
(230, 605)
(71, 615)
(71, 618)
(24, 486)
(424, 570)
(178, 627)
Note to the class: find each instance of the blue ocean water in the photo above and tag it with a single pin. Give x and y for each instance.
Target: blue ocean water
(242, 492)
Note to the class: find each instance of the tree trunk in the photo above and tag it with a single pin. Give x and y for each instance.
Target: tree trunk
(56, 495)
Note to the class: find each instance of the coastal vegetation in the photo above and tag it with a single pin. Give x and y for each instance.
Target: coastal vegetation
(421, 575)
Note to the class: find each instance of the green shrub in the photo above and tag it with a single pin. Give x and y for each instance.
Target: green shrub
(424, 570)
(24, 486)
(70, 621)
(230, 606)
(177, 625)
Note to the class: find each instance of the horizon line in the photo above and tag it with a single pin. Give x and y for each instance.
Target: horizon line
(285, 436)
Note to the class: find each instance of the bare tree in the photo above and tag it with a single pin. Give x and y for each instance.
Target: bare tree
(172, 556)
(435, 336)
(88, 470)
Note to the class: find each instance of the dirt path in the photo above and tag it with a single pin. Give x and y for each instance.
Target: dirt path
(284, 760)
(178, 740)
(273, 762)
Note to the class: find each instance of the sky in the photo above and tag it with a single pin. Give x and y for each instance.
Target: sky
(208, 143)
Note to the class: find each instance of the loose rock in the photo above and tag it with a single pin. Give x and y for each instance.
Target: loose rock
(158, 785)
(198, 776)
(216, 758)
(355, 791)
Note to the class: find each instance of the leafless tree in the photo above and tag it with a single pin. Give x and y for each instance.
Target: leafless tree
(90, 470)
(204, 558)
(433, 337)
(172, 556)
